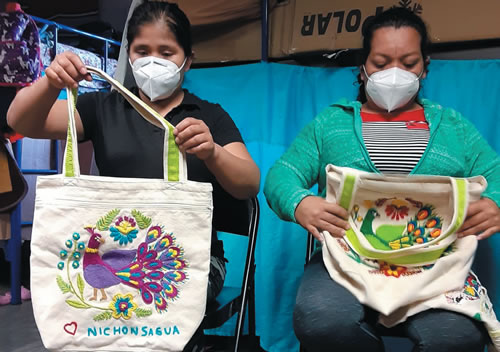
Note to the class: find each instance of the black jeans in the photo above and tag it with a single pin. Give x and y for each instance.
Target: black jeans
(327, 317)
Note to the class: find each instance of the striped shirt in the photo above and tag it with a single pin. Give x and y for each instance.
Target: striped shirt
(395, 146)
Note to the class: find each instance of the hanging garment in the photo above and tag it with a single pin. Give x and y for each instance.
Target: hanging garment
(120, 264)
(401, 254)
(20, 62)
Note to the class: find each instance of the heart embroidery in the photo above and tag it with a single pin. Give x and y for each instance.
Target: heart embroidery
(70, 328)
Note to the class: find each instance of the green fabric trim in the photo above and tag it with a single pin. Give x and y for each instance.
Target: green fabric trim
(417, 258)
(347, 191)
(69, 165)
(69, 160)
(172, 156)
(461, 204)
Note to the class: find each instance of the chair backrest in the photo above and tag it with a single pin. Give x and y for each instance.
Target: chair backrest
(311, 244)
(240, 217)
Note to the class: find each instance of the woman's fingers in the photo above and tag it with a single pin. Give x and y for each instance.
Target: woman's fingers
(334, 230)
(335, 220)
(67, 70)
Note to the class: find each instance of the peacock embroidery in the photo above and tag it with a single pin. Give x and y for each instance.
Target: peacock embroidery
(402, 230)
(153, 271)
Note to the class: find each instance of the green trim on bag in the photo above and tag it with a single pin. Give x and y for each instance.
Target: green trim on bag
(173, 156)
(417, 258)
(461, 204)
(347, 191)
(69, 160)
(69, 167)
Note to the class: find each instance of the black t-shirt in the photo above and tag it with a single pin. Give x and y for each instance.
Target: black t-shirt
(126, 145)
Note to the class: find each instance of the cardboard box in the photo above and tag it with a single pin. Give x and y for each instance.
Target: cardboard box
(301, 26)
(224, 31)
(228, 43)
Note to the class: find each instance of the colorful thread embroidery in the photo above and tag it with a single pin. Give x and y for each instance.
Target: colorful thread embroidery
(155, 268)
(422, 227)
(381, 267)
(125, 230)
(472, 291)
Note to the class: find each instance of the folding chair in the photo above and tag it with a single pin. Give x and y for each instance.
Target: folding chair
(242, 219)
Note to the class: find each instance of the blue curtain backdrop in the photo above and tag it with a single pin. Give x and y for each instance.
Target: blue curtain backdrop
(271, 103)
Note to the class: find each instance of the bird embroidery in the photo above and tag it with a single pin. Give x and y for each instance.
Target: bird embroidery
(154, 268)
(421, 228)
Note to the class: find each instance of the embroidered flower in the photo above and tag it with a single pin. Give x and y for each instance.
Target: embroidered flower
(125, 224)
(122, 306)
(392, 270)
(396, 212)
(125, 230)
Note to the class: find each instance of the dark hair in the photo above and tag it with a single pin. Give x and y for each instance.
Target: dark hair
(153, 11)
(396, 17)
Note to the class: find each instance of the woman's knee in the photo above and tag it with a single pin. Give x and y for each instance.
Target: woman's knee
(319, 328)
(438, 330)
(321, 320)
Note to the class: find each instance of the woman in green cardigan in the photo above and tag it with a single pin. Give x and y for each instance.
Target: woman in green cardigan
(386, 130)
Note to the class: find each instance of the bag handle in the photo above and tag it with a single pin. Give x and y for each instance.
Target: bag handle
(174, 161)
(418, 254)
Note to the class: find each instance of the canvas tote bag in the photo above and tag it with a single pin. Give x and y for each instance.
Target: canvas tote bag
(120, 264)
(401, 255)
(402, 245)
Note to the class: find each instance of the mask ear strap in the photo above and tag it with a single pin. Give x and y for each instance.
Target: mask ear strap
(182, 66)
(421, 73)
(366, 74)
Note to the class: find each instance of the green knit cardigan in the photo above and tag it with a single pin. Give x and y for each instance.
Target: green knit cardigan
(335, 137)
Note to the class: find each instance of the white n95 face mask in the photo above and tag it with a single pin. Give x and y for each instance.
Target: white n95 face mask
(157, 78)
(392, 88)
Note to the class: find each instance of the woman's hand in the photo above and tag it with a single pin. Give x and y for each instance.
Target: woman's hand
(483, 219)
(66, 71)
(315, 214)
(193, 137)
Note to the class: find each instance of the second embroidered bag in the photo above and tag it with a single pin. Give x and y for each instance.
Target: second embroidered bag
(402, 236)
